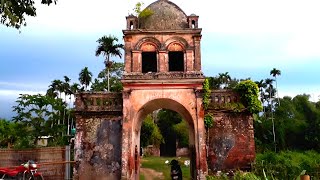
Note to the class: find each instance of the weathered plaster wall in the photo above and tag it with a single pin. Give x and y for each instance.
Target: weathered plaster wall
(231, 141)
(98, 147)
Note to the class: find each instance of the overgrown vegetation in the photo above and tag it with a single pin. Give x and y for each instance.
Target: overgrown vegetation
(288, 126)
(208, 120)
(249, 95)
(150, 133)
(165, 130)
(287, 164)
(206, 94)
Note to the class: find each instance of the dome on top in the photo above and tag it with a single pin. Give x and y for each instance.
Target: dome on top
(165, 15)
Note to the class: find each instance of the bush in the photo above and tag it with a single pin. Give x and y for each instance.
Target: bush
(287, 164)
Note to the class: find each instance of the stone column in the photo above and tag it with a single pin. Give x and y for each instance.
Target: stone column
(201, 143)
(197, 53)
(126, 160)
(163, 61)
(190, 60)
(127, 54)
(136, 61)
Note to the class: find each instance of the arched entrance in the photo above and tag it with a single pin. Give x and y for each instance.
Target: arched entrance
(139, 103)
(171, 105)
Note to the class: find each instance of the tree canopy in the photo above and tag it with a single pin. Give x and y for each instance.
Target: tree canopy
(13, 12)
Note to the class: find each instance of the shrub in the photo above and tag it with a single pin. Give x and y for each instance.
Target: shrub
(287, 164)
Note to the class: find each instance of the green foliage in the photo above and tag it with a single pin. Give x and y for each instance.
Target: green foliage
(157, 164)
(182, 131)
(100, 83)
(249, 95)
(9, 133)
(221, 177)
(85, 77)
(167, 119)
(144, 13)
(233, 106)
(206, 93)
(297, 125)
(287, 164)
(245, 176)
(13, 12)
(150, 133)
(39, 114)
(108, 47)
(208, 120)
(137, 8)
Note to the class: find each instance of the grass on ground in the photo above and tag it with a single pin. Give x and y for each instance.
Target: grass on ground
(158, 164)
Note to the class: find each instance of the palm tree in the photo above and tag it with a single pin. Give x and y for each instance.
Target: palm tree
(261, 85)
(55, 88)
(270, 90)
(85, 77)
(74, 88)
(225, 78)
(276, 72)
(107, 48)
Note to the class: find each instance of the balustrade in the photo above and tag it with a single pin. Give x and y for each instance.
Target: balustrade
(98, 101)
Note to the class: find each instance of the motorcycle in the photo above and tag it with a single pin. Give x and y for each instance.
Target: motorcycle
(176, 172)
(26, 171)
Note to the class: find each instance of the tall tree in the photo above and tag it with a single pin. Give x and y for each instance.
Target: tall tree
(39, 113)
(13, 12)
(271, 94)
(108, 47)
(224, 79)
(55, 88)
(74, 88)
(115, 73)
(85, 77)
(262, 85)
(276, 72)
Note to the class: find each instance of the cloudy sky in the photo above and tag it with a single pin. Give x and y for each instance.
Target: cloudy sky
(246, 38)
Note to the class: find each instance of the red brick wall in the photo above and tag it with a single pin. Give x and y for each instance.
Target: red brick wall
(231, 141)
(50, 160)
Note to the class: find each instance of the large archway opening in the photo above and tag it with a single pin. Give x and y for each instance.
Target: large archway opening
(168, 115)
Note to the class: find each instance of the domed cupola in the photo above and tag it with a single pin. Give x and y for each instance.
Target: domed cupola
(165, 15)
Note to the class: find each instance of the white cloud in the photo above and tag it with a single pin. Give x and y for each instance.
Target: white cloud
(13, 94)
(230, 16)
(306, 45)
(313, 91)
(16, 85)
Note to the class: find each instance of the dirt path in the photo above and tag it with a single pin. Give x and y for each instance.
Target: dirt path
(150, 174)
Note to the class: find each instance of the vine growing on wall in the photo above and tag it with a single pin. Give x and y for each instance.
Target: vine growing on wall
(249, 96)
(208, 118)
(206, 94)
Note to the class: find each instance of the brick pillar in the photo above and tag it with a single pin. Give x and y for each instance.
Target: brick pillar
(136, 61)
(126, 156)
(127, 52)
(163, 61)
(201, 165)
(189, 60)
(197, 53)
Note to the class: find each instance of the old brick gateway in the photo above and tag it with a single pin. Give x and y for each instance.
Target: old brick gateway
(162, 70)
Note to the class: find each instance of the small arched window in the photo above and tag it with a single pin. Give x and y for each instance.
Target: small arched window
(131, 25)
(149, 58)
(193, 23)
